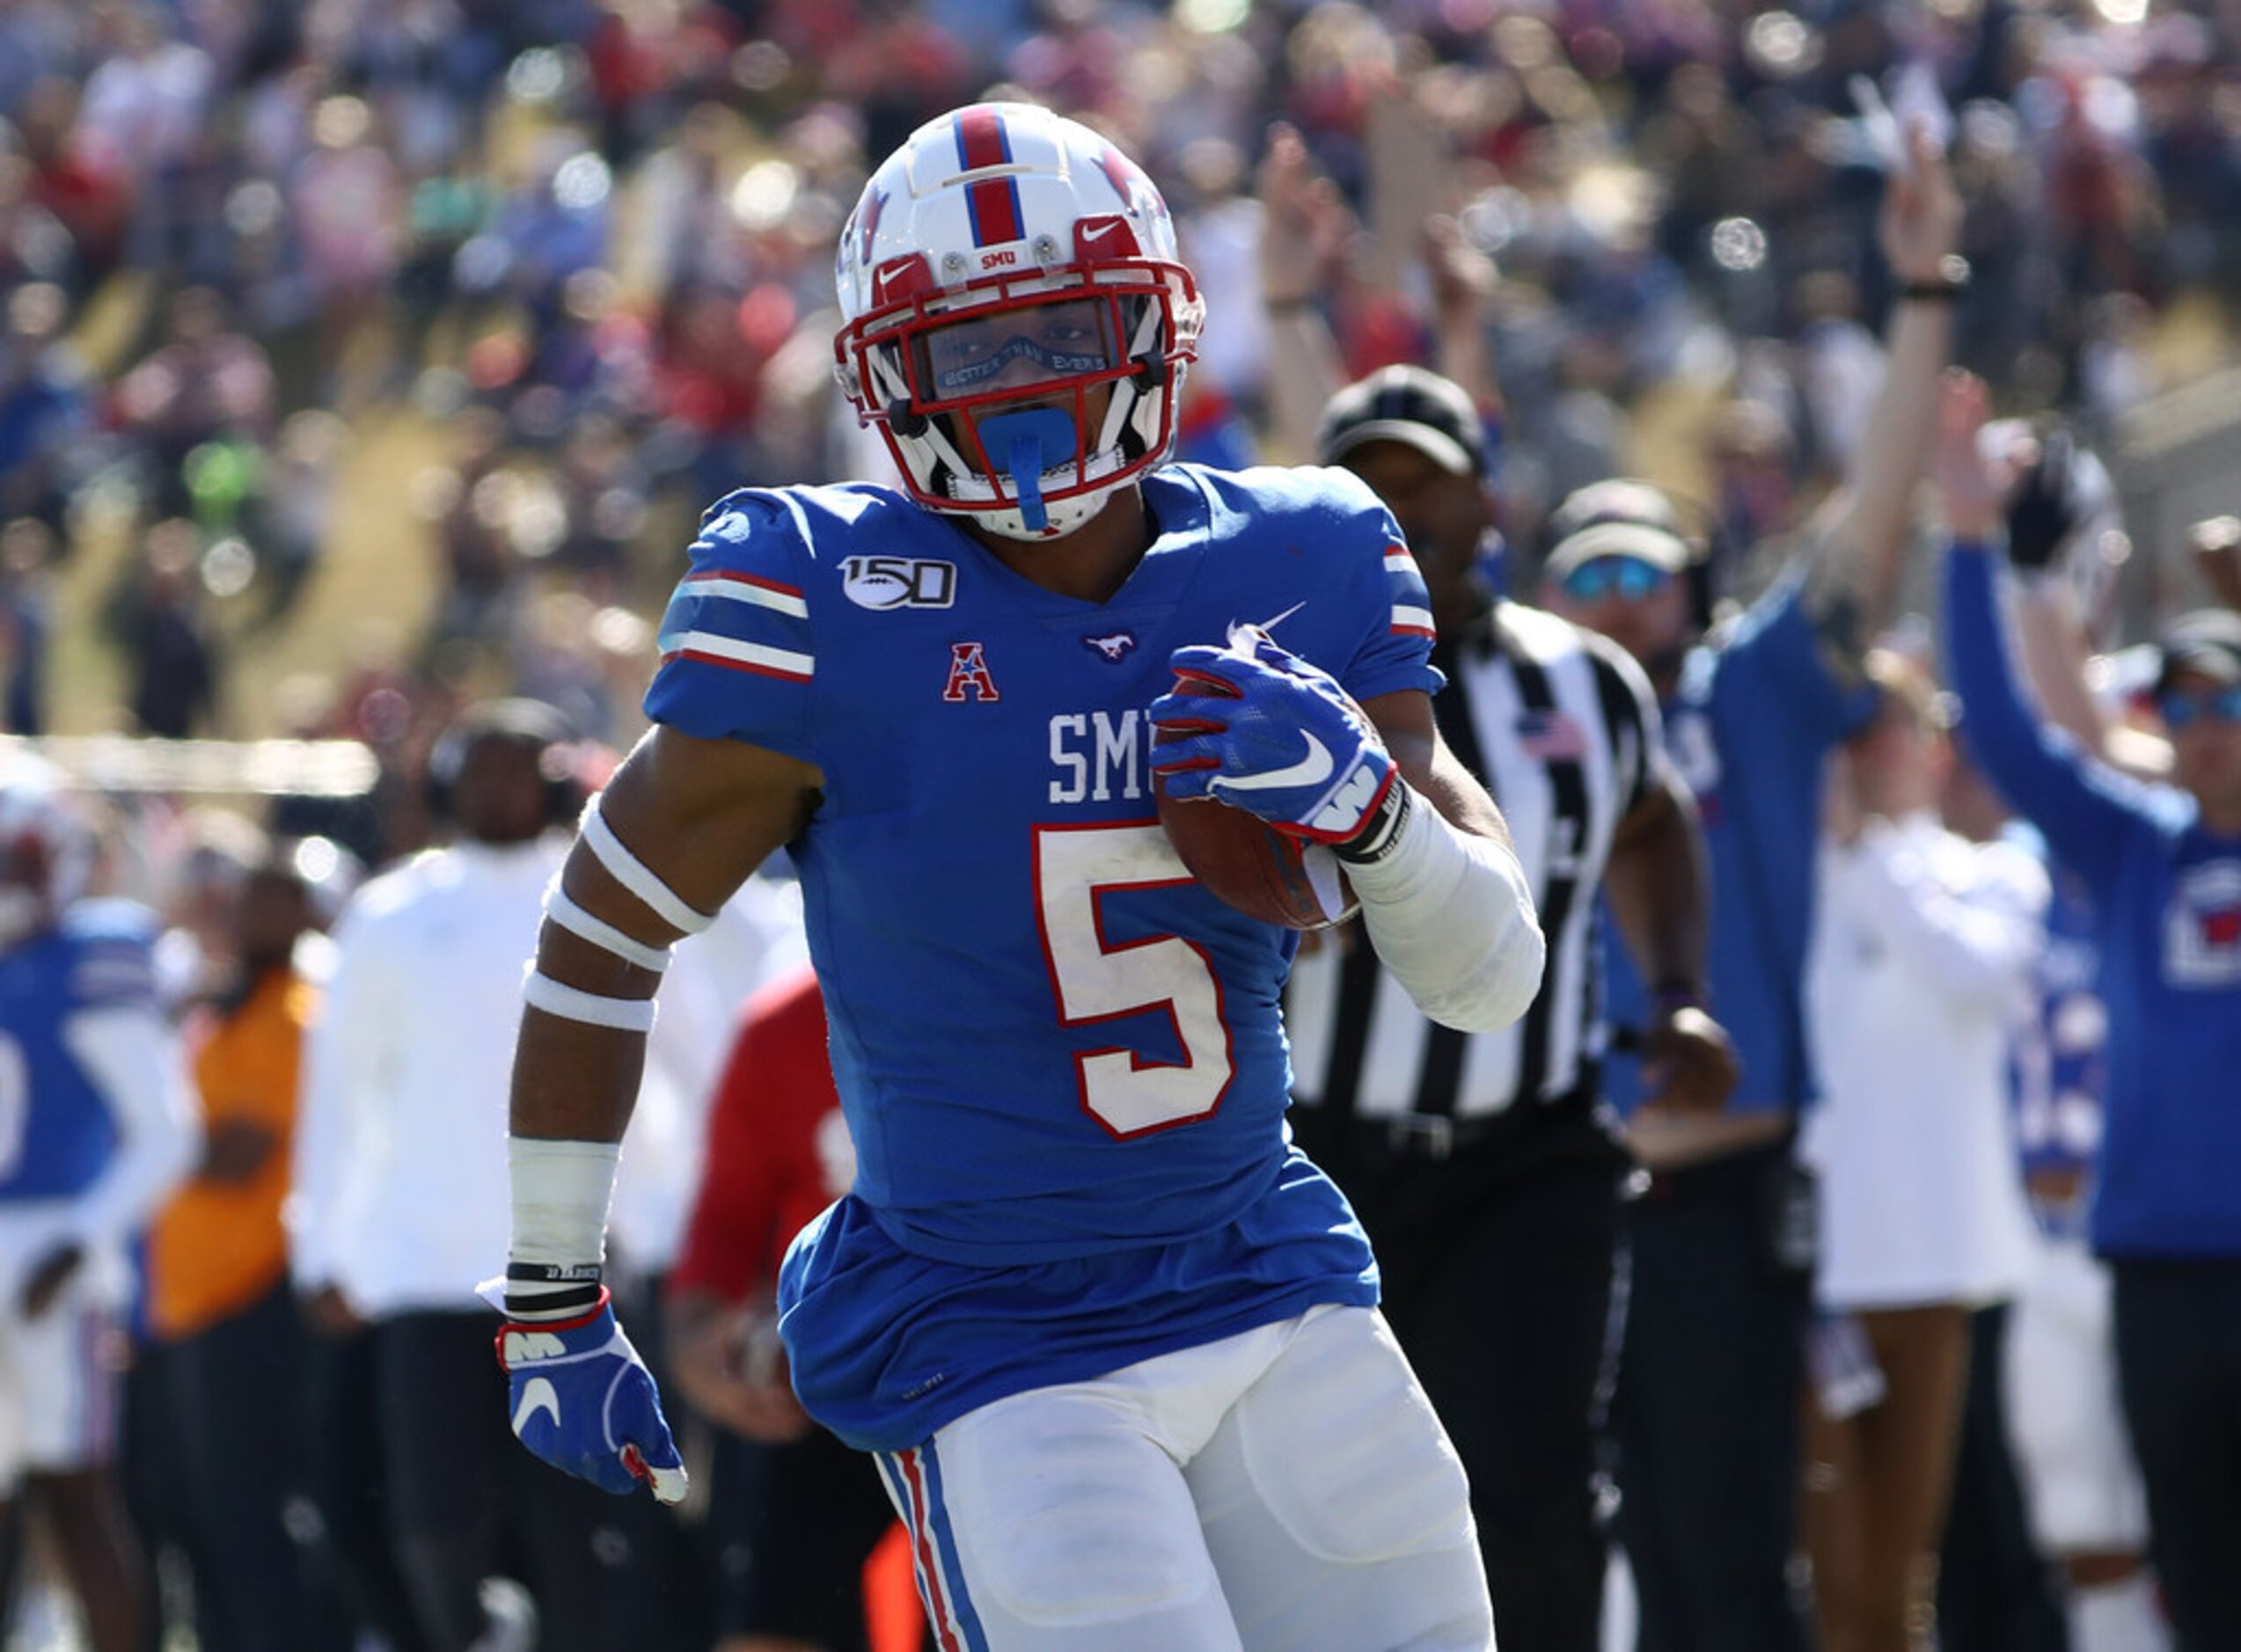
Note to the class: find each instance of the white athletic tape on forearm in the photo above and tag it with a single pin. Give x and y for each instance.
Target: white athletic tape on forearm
(571, 1004)
(636, 876)
(561, 1190)
(1451, 916)
(564, 911)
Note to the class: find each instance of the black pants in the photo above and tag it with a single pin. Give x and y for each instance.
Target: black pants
(349, 1490)
(241, 1418)
(795, 1523)
(149, 1460)
(1708, 1408)
(467, 1502)
(1497, 1267)
(1995, 1591)
(2178, 1367)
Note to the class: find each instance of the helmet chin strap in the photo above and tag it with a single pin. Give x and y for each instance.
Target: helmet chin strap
(1027, 443)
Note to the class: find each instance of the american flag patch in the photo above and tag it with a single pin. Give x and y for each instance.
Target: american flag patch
(1551, 737)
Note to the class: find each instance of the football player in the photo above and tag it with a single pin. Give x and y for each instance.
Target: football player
(1113, 1341)
(95, 1127)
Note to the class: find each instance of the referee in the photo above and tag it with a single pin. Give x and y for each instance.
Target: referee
(1485, 1166)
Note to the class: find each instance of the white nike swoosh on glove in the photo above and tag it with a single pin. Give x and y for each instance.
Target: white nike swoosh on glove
(538, 1394)
(1314, 766)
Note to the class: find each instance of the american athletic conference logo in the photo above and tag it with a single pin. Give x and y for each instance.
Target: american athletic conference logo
(883, 582)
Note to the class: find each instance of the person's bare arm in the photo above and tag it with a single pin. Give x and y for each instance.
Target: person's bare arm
(1464, 281)
(1411, 734)
(1859, 536)
(1305, 226)
(1657, 885)
(701, 815)
(1660, 890)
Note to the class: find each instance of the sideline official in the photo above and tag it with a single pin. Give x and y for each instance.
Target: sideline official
(1485, 1166)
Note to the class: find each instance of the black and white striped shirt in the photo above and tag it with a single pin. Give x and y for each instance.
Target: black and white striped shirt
(1563, 728)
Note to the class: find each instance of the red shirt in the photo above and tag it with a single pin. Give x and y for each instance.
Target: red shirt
(778, 1152)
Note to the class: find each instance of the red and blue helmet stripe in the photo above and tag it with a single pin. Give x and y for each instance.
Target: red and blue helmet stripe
(993, 203)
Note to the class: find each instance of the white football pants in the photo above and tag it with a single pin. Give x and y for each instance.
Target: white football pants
(2080, 1482)
(60, 1384)
(1286, 1489)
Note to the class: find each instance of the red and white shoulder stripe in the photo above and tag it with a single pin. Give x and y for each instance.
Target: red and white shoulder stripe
(1411, 606)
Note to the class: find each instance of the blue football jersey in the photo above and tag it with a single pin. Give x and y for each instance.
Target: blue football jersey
(1060, 1058)
(2166, 892)
(1756, 713)
(56, 1129)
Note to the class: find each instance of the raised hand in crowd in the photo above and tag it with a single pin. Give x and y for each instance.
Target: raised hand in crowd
(1974, 486)
(1306, 224)
(1306, 230)
(1863, 528)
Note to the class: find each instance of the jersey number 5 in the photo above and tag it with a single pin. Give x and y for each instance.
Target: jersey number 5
(1075, 868)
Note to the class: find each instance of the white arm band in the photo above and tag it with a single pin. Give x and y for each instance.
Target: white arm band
(572, 1004)
(1451, 916)
(563, 911)
(636, 876)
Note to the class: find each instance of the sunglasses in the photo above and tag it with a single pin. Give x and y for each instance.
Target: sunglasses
(1629, 578)
(2183, 711)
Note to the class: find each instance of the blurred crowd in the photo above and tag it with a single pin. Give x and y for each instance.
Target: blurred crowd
(589, 245)
(585, 246)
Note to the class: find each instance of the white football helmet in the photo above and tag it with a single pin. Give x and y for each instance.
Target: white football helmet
(1017, 319)
(46, 853)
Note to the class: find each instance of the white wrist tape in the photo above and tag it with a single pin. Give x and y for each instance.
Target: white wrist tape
(572, 1003)
(560, 1194)
(636, 876)
(561, 1191)
(563, 911)
(1451, 916)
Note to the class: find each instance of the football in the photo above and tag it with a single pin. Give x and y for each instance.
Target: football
(1249, 864)
(877, 589)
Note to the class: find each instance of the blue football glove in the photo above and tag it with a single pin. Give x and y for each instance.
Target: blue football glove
(582, 1399)
(1259, 728)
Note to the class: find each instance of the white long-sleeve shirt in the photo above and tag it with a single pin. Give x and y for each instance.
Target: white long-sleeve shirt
(401, 1196)
(1922, 950)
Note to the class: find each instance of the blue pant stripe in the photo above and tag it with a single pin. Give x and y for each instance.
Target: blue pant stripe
(945, 1548)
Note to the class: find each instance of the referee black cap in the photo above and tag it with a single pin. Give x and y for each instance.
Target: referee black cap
(1411, 405)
